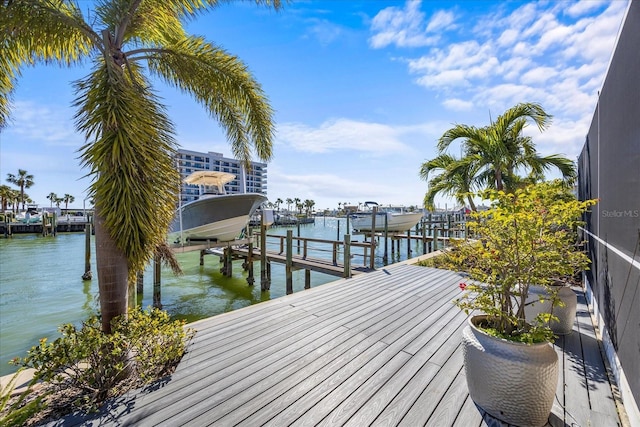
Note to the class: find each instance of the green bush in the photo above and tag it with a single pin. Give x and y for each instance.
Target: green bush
(91, 366)
(526, 238)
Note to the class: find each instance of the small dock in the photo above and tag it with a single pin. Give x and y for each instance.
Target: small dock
(49, 227)
(379, 349)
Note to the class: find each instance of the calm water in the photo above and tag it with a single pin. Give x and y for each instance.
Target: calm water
(41, 284)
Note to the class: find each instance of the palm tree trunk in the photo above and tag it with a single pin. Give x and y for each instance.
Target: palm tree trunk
(498, 175)
(113, 273)
(471, 204)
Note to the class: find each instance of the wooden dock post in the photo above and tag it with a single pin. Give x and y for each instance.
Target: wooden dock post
(250, 278)
(307, 278)
(156, 282)
(385, 257)
(424, 238)
(229, 261)
(87, 252)
(265, 267)
(347, 256)
(289, 264)
(393, 248)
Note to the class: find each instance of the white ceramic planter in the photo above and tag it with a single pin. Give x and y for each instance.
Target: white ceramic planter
(513, 382)
(566, 315)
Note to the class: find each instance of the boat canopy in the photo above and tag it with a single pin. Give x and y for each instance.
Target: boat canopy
(210, 179)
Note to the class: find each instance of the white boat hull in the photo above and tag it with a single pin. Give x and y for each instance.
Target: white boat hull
(399, 222)
(217, 218)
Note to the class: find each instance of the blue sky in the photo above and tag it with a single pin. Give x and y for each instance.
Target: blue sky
(362, 90)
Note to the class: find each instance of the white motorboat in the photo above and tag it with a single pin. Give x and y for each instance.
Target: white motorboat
(215, 215)
(395, 220)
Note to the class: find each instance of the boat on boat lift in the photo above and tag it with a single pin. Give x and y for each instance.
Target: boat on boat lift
(214, 215)
(397, 220)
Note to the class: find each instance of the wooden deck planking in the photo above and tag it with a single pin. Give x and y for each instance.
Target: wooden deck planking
(381, 348)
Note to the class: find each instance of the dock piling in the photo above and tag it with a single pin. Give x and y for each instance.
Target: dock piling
(289, 263)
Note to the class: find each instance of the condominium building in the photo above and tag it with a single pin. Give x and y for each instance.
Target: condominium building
(247, 181)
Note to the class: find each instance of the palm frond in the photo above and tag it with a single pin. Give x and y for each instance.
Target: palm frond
(224, 86)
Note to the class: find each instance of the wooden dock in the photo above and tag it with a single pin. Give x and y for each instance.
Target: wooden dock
(9, 228)
(378, 349)
(320, 265)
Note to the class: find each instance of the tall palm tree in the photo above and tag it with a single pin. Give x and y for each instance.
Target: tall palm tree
(278, 203)
(130, 141)
(289, 201)
(23, 180)
(52, 197)
(500, 151)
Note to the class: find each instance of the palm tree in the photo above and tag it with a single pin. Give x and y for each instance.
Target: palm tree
(500, 151)
(52, 197)
(131, 43)
(455, 179)
(309, 204)
(278, 203)
(289, 201)
(23, 180)
(68, 198)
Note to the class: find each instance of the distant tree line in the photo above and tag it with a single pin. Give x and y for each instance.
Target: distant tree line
(14, 197)
(298, 204)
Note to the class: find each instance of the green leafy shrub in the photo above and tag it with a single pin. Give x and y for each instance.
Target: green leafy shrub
(89, 366)
(526, 238)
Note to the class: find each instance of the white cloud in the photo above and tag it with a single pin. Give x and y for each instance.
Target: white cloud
(407, 27)
(596, 36)
(551, 53)
(538, 75)
(342, 134)
(582, 7)
(458, 105)
(326, 32)
(441, 19)
(42, 124)
(507, 38)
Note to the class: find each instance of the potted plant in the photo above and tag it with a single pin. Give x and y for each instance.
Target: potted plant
(524, 240)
